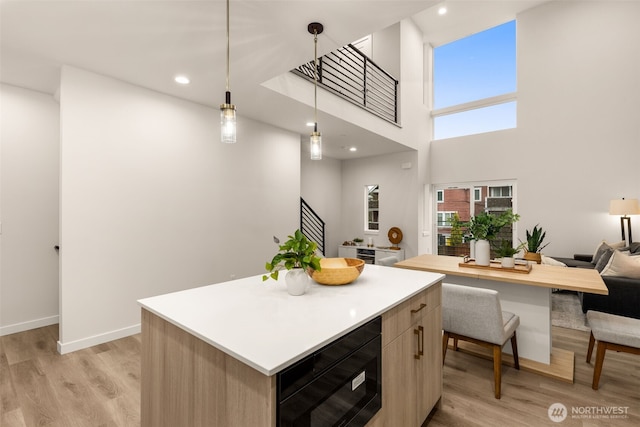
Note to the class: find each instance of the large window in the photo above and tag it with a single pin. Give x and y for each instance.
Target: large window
(464, 201)
(474, 83)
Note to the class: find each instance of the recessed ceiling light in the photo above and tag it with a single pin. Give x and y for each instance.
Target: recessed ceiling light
(352, 149)
(310, 124)
(183, 80)
(442, 10)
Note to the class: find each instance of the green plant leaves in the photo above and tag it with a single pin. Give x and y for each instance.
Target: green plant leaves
(297, 252)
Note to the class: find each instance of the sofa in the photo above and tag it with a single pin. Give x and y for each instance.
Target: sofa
(624, 292)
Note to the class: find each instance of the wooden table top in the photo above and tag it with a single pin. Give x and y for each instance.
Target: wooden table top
(546, 276)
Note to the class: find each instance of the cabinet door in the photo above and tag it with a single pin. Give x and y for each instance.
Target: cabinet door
(429, 367)
(399, 380)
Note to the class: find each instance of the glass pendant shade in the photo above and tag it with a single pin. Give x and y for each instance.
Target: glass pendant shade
(316, 145)
(228, 123)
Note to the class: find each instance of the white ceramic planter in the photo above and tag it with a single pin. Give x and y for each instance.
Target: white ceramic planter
(297, 281)
(483, 252)
(508, 262)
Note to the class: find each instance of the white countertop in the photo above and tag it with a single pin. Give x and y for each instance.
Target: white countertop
(262, 325)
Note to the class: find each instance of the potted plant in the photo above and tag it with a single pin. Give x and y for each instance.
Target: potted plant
(295, 255)
(483, 228)
(534, 244)
(358, 241)
(506, 251)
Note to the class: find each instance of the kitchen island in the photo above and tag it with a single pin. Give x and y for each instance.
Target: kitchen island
(211, 354)
(529, 296)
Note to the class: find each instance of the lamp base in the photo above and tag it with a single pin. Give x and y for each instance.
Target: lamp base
(622, 221)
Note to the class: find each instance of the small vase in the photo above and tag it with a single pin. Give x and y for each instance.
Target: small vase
(297, 281)
(508, 262)
(483, 252)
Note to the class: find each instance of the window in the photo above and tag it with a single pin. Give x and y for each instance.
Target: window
(445, 218)
(504, 191)
(474, 83)
(372, 207)
(440, 196)
(464, 201)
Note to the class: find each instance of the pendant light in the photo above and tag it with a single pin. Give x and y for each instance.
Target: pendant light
(315, 141)
(228, 110)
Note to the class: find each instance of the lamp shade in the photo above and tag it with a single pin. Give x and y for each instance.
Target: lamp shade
(624, 207)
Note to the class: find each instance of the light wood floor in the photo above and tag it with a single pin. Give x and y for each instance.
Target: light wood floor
(100, 386)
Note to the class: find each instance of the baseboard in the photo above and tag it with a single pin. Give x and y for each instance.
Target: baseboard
(26, 326)
(83, 343)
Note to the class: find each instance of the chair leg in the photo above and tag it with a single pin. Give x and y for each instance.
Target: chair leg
(445, 344)
(514, 348)
(455, 344)
(597, 370)
(592, 341)
(497, 369)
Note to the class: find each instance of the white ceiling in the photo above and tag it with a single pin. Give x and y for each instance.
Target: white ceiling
(148, 42)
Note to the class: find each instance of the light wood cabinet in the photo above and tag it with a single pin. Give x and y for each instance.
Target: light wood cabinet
(411, 360)
(186, 381)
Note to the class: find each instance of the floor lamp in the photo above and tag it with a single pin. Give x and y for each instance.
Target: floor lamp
(624, 207)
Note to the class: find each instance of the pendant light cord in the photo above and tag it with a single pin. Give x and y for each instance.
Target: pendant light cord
(315, 80)
(227, 86)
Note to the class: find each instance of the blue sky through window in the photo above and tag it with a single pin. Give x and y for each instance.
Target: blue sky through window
(474, 68)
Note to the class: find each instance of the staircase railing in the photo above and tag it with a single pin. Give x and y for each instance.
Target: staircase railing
(350, 74)
(311, 225)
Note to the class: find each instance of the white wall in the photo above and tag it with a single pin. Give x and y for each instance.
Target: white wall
(28, 209)
(321, 188)
(577, 144)
(401, 190)
(398, 198)
(152, 202)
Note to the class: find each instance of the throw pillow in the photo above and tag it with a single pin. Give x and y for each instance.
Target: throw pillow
(604, 259)
(546, 260)
(602, 247)
(622, 265)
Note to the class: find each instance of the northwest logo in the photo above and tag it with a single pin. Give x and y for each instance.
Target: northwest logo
(557, 412)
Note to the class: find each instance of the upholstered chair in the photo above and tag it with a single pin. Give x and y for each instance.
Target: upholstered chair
(388, 261)
(475, 315)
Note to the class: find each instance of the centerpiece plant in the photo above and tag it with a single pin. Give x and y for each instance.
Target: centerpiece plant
(506, 251)
(296, 254)
(534, 245)
(483, 228)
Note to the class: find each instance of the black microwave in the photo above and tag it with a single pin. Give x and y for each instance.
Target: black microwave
(338, 385)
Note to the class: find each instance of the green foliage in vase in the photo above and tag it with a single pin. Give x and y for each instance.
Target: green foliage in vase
(297, 252)
(485, 226)
(505, 250)
(535, 238)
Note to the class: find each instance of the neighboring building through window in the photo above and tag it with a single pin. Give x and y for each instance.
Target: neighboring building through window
(474, 83)
(465, 201)
(372, 207)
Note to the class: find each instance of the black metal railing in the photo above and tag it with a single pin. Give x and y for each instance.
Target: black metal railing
(311, 225)
(351, 74)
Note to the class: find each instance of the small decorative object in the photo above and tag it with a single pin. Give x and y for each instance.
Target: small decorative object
(337, 271)
(483, 228)
(358, 241)
(534, 245)
(395, 237)
(370, 242)
(505, 251)
(296, 254)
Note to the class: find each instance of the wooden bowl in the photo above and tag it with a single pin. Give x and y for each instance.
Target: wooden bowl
(337, 271)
